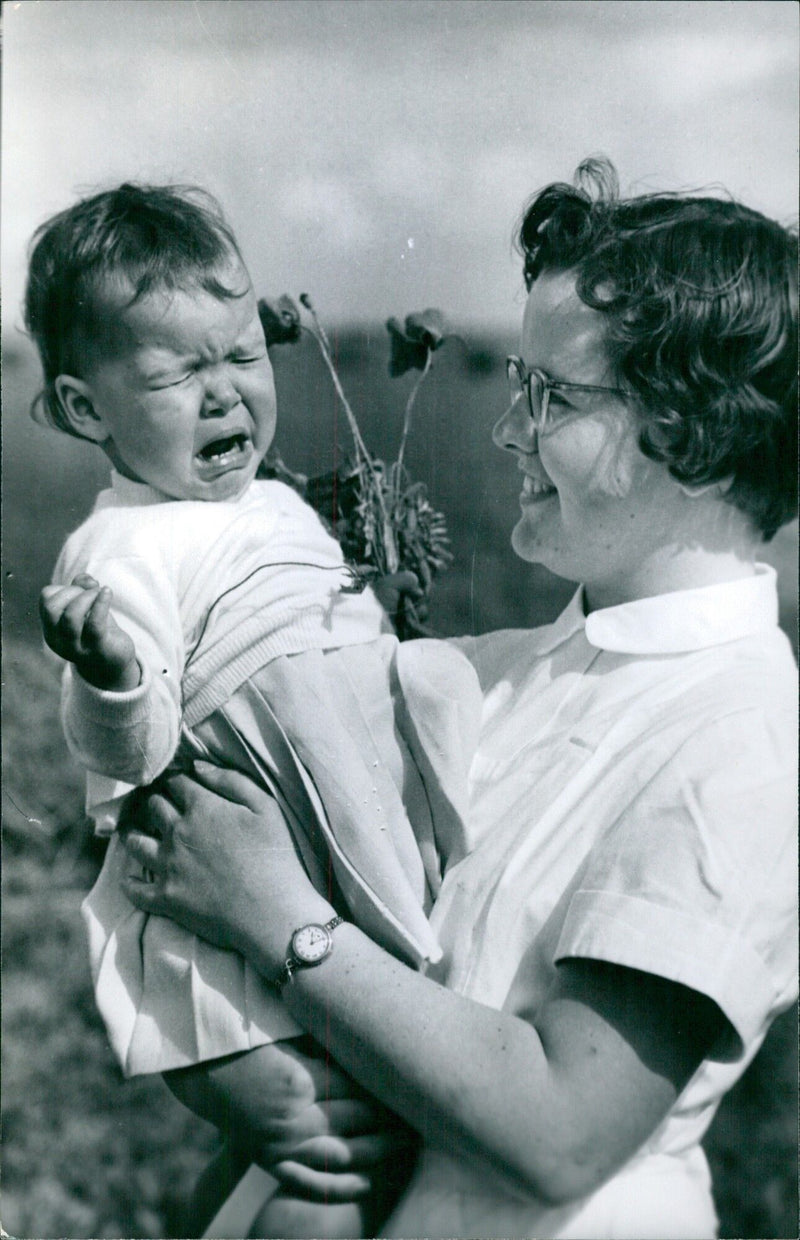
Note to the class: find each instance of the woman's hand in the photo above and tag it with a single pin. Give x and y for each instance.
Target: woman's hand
(221, 862)
(393, 589)
(403, 600)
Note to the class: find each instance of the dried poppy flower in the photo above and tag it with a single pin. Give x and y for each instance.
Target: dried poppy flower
(423, 333)
(280, 320)
(427, 326)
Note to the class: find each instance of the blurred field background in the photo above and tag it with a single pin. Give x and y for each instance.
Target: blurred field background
(86, 1154)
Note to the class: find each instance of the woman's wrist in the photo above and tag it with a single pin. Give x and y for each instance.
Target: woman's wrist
(266, 943)
(311, 993)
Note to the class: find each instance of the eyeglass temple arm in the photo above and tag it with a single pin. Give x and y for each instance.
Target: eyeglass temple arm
(582, 387)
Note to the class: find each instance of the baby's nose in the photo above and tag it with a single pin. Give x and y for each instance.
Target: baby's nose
(220, 394)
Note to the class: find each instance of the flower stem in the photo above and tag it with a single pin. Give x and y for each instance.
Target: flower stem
(324, 347)
(363, 458)
(407, 417)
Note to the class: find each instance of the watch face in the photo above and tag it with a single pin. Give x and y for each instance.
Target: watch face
(311, 943)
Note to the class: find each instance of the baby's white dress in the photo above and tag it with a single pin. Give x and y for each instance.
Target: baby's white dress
(254, 654)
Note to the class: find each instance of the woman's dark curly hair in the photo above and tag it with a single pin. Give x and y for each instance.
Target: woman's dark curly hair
(136, 237)
(700, 296)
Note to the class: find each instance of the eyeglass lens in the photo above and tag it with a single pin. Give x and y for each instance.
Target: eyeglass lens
(532, 387)
(515, 385)
(537, 397)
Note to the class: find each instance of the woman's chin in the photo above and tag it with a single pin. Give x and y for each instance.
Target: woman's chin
(529, 542)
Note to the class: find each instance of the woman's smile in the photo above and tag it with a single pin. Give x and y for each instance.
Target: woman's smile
(535, 489)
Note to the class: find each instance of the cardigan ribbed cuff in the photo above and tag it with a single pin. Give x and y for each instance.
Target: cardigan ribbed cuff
(107, 707)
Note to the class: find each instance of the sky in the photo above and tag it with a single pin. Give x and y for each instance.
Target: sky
(377, 153)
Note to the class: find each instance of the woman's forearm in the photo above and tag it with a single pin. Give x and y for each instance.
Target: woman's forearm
(553, 1106)
(553, 1113)
(432, 1056)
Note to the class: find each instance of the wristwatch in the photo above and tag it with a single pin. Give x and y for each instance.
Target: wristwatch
(308, 946)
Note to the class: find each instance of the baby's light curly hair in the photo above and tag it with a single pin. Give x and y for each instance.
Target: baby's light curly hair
(138, 237)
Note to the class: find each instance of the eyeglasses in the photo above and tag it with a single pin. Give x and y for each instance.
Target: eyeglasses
(537, 386)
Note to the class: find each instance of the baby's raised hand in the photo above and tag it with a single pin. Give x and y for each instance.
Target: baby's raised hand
(77, 625)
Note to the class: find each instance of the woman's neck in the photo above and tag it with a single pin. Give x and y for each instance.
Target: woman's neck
(671, 569)
(709, 542)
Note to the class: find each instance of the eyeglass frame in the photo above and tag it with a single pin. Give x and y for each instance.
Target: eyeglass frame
(526, 373)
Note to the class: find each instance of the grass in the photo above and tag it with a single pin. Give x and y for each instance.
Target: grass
(85, 1153)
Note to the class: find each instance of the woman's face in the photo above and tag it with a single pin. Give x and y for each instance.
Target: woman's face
(593, 506)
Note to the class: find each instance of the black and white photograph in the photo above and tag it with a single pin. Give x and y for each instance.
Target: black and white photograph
(400, 588)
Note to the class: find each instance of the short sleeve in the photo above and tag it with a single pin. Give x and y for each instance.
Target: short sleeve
(697, 880)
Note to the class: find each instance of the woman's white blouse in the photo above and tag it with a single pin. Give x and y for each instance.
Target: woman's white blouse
(633, 800)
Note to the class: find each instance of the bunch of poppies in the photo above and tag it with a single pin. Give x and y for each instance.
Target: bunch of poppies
(382, 518)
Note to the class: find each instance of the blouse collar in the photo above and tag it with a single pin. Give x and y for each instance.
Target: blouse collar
(671, 623)
(688, 619)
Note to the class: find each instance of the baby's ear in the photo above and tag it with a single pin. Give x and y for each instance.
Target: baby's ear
(75, 398)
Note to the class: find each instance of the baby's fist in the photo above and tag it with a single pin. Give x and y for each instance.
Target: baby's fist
(77, 625)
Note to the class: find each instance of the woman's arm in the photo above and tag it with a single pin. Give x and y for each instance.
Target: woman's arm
(555, 1106)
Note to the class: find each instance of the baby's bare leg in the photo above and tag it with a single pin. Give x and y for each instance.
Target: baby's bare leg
(211, 1191)
(285, 1217)
(284, 1107)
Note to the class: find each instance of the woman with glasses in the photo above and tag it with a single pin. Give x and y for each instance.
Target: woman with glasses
(619, 923)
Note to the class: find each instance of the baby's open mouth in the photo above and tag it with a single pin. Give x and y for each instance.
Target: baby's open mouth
(230, 446)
